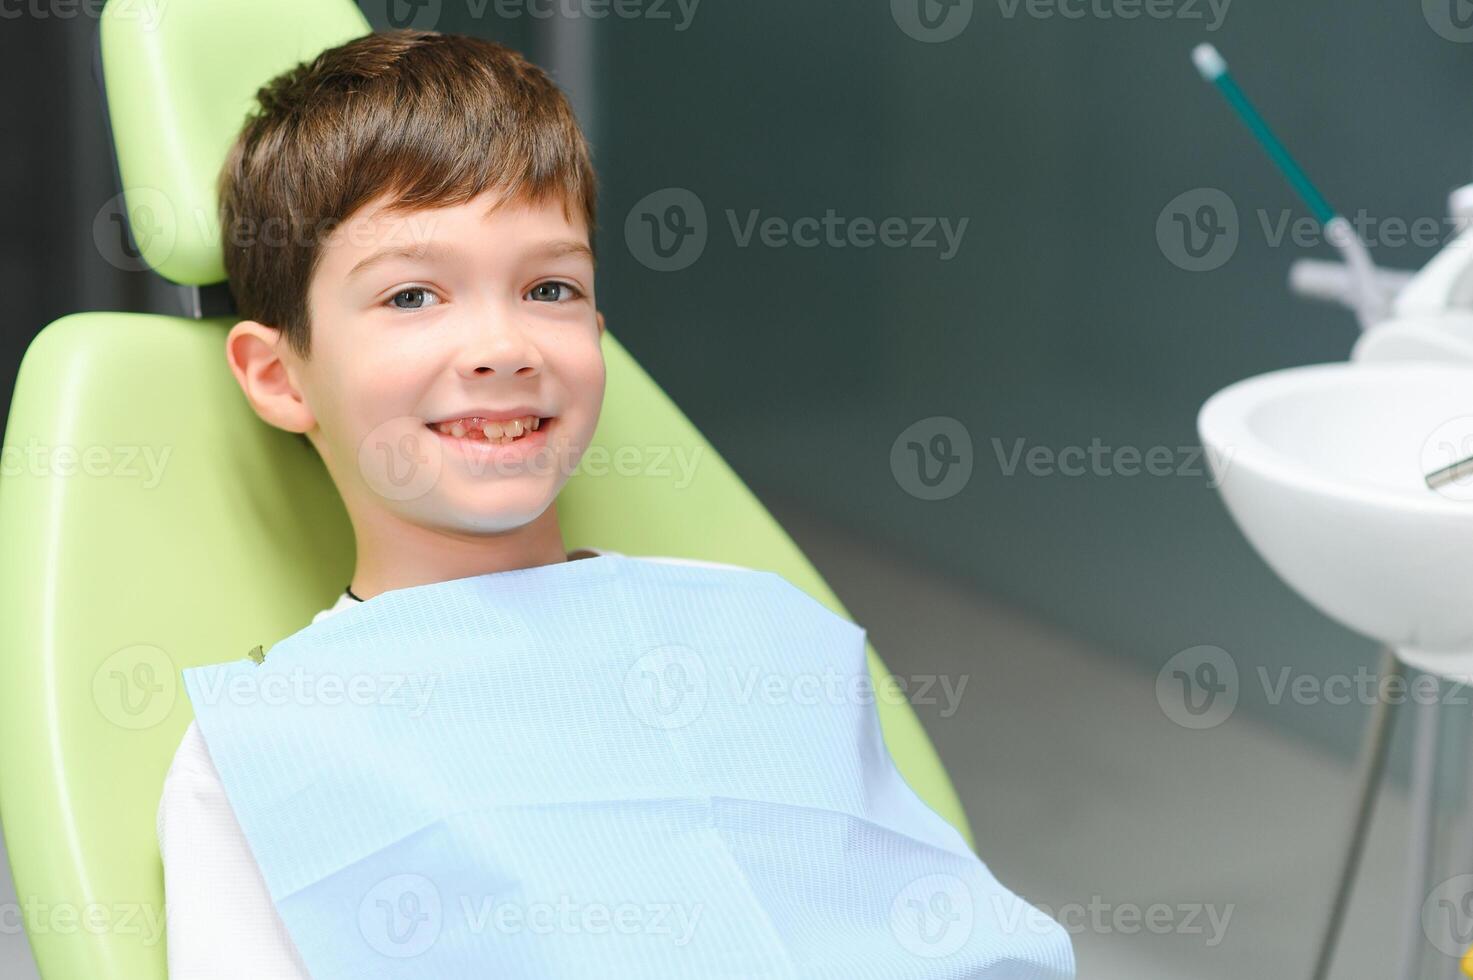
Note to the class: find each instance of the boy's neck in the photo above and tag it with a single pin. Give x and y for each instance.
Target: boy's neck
(393, 554)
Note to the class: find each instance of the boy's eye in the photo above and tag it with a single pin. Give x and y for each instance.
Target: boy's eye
(547, 292)
(416, 295)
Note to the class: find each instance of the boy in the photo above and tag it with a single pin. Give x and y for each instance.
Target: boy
(408, 227)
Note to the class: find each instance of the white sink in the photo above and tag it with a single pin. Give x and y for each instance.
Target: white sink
(1447, 336)
(1323, 469)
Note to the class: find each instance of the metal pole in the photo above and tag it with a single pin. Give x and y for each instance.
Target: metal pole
(1372, 765)
(1419, 850)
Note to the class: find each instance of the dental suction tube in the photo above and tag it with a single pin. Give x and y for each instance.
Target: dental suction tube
(1370, 304)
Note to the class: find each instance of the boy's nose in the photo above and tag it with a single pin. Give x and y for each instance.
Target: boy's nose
(500, 347)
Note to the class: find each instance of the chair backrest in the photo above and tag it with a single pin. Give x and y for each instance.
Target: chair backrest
(151, 522)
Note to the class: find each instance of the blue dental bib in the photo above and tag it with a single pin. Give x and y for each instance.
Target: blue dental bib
(602, 768)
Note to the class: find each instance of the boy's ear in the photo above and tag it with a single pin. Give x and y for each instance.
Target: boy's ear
(600, 324)
(255, 354)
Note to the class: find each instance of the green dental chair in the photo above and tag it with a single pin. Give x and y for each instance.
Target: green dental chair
(150, 522)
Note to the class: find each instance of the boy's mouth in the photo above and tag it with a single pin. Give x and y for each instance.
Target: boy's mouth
(497, 432)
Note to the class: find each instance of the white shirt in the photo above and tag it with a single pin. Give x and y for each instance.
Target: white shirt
(221, 923)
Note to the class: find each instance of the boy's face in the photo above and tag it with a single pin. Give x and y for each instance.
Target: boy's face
(459, 317)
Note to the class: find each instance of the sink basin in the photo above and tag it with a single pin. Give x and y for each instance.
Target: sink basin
(1323, 467)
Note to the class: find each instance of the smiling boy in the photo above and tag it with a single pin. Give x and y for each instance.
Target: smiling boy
(459, 287)
(427, 321)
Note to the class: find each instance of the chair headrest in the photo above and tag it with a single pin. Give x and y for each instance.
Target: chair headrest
(180, 77)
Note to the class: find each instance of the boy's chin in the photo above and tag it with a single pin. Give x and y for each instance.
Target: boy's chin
(494, 509)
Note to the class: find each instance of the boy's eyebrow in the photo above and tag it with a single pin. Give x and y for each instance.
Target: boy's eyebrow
(423, 250)
(436, 251)
(568, 246)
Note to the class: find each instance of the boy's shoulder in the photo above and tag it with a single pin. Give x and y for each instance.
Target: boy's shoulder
(192, 757)
(190, 784)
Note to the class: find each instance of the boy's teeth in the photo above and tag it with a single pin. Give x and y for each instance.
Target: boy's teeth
(506, 431)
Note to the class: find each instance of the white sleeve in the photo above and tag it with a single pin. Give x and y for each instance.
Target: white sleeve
(697, 562)
(221, 923)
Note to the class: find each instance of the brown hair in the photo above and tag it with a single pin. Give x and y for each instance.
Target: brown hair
(431, 119)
